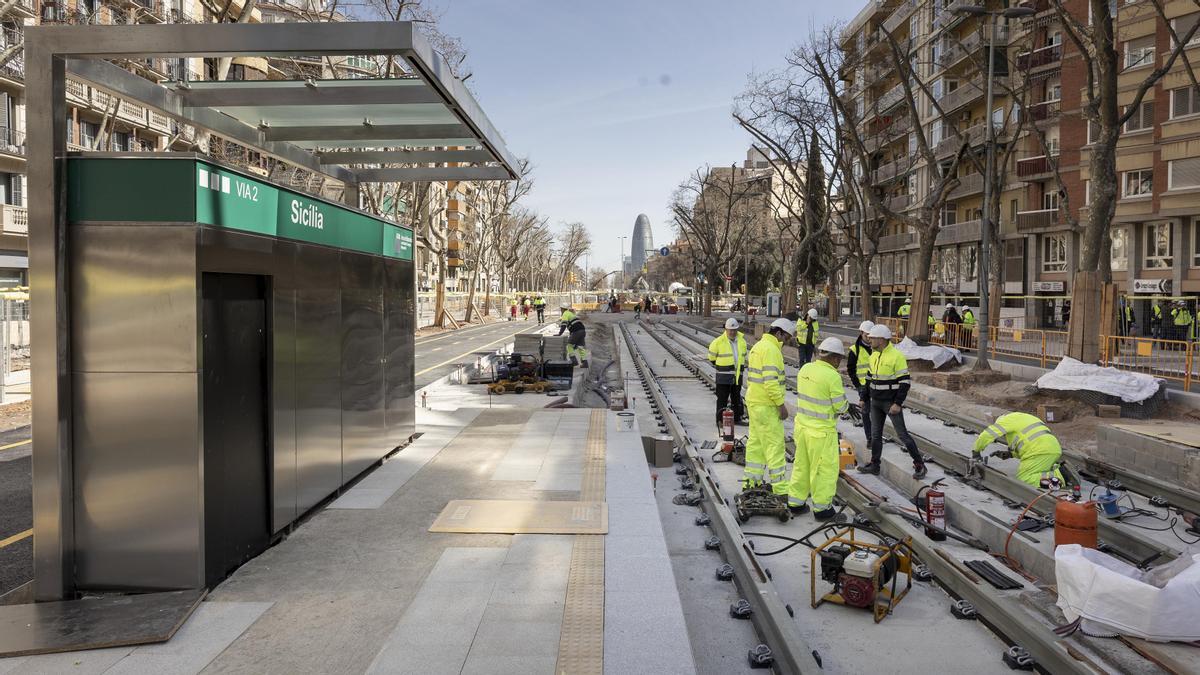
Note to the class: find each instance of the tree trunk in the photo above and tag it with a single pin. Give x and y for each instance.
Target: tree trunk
(1083, 331)
(439, 305)
(918, 319)
(834, 304)
(866, 301)
(471, 296)
(487, 294)
(787, 296)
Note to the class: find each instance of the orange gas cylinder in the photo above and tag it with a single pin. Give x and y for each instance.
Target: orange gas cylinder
(1075, 523)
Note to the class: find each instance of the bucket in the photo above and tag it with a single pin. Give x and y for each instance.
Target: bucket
(625, 421)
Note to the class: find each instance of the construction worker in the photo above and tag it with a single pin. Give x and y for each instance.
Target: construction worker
(968, 317)
(968, 327)
(539, 304)
(1125, 316)
(905, 309)
(889, 381)
(576, 351)
(1029, 440)
(728, 352)
(1156, 320)
(526, 305)
(808, 335)
(820, 399)
(1181, 320)
(512, 309)
(858, 361)
(765, 377)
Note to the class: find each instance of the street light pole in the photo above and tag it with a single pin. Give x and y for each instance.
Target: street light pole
(622, 261)
(985, 224)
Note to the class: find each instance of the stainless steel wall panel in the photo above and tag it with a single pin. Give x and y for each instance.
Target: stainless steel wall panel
(399, 312)
(137, 484)
(364, 437)
(133, 298)
(284, 477)
(318, 375)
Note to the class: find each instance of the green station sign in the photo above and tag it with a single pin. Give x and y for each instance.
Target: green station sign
(192, 190)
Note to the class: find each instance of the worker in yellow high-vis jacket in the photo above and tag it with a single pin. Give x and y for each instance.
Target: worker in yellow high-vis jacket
(728, 352)
(1029, 440)
(765, 377)
(820, 399)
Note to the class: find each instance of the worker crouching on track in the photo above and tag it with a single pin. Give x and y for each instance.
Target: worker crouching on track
(576, 340)
(889, 382)
(1029, 440)
(820, 400)
(728, 353)
(858, 362)
(765, 377)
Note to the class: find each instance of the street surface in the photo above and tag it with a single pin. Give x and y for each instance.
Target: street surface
(438, 355)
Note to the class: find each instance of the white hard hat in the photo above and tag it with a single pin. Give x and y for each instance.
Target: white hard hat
(908, 299)
(866, 326)
(949, 305)
(784, 325)
(964, 308)
(731, 323)
(880, 331)
(565, 305)
(832, 345)
(812, 313)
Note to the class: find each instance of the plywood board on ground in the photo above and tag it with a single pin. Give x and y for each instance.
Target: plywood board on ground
(97, 623)
(1184, 434)
(499, 516)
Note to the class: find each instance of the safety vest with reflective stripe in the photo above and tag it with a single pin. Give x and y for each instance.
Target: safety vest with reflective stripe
(765, 374)
(888, 371)
(1156, 312)
(802, 329)
(862, 360)
(1026, 436)
(721, 354)
(1182, 316)
(569, 321)
(968, 318)
(820, 396)
(904, 311)
(539, 302)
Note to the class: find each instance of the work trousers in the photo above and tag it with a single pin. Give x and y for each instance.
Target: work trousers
(806, 353)
(575, 346)
(879, 413)
(729, 395)
(541, 311)
(1036, 462)
(864, 401)
(814, 468)
(765, 458)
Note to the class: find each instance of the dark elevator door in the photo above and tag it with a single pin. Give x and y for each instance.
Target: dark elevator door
(236, 492)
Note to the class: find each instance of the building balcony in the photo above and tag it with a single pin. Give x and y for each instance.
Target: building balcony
(899, 15)
(959, 233)
(14, 219)
(896, 242)
(1045, 56)
(1034, 168)
(1036, 220)
(949, 145)
(968, 185)
(12, 141)
(455, 205)
(1046, 110)
(968, 92)
(894, 204)
(889, 171)
(889, 99)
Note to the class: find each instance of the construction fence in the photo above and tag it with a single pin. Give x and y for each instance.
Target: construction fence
(497, 306)
(1168, 359)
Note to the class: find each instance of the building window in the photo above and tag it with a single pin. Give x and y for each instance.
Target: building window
(1183, 25)
(1087, 192)
(120, 141)
(969, 263)
(1050, 200)
(1120, 249)
(87, 133)
(1141, 119)
(1093, 131)
(1159, 242)
(1054, 253)
(949, 214)
(1183, 173)
(1139, 51)
(1185, 101)
(1138, 183)
(1195, 242)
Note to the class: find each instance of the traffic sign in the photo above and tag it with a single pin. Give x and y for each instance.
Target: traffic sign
(664, 251)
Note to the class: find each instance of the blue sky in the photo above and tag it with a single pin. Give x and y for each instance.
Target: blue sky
(616, 102)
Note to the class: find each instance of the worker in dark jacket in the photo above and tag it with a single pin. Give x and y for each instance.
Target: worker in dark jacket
(577, 337)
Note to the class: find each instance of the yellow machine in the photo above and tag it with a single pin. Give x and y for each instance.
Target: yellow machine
(846, 457)
(864, 574)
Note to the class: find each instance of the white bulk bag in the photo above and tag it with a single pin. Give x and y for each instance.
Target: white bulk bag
(1115, 598)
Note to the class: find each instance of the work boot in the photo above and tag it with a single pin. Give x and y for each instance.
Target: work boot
(871, 468)
(919, 471)
(825, 514)
(798, 510)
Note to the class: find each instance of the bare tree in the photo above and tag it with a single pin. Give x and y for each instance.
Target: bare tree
(715, 210)
(1095, 42)
(573, 242)
(491, 204)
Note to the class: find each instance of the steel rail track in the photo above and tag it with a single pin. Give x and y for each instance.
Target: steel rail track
(1002, 613)
(791, 652)
(1127, 542)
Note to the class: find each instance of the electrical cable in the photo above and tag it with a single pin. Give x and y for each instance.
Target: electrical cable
(1011, 562)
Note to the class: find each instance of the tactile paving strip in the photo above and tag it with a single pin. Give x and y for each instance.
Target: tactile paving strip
(581, 642)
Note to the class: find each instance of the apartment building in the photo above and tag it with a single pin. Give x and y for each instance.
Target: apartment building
(1155, 236)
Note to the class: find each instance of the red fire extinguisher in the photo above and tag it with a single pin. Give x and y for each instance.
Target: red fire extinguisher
(727, 424)
(934, 509)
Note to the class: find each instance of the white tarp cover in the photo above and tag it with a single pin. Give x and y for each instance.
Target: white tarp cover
(1115, 598)
(937, 354)
(1072, 375)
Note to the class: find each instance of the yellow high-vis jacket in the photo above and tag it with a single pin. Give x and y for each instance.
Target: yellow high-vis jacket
(820, 396)
(765, 373)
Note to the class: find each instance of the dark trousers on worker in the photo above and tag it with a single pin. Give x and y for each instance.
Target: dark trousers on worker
(806, 353)
(541, 314)
(879, 413)
(864, 402)
(729, 395)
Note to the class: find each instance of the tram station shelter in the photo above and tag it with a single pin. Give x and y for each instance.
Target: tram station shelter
(214, 354)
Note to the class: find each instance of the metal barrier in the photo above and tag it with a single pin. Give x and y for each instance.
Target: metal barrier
(1166, 359)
